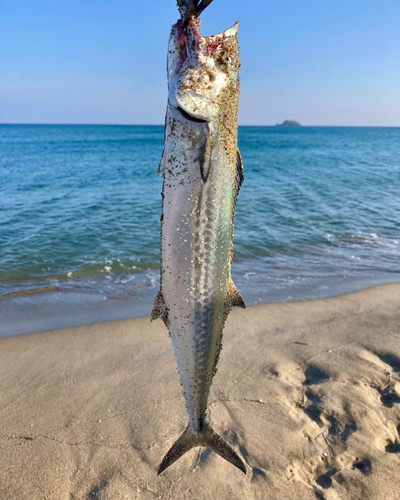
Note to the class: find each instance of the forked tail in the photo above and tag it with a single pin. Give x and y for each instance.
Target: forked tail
(207, 437)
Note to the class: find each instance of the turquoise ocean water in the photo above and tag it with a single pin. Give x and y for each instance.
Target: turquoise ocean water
(318, 215)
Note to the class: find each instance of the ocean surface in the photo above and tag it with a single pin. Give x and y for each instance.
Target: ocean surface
(318, 215)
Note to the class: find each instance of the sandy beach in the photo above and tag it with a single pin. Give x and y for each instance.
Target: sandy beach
(308, 393)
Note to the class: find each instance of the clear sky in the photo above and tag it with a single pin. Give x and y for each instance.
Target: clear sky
(320, 62)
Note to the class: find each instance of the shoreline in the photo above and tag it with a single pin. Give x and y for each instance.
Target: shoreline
(56, 307)
(308, 393)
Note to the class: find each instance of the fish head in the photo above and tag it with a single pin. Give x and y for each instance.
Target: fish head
(202, 71)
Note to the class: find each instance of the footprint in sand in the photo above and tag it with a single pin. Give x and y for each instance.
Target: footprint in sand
(314, 375)
(389, 397)
(312, 410)
(336, 428)
(394, 447)
(325, 481)
(364, 466)
(390, 359)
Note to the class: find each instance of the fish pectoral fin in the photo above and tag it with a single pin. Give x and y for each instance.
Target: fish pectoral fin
(205, 159)
(209, 438)
(233, 297)
(160, 310)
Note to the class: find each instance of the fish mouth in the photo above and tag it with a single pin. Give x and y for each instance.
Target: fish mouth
(188, 117)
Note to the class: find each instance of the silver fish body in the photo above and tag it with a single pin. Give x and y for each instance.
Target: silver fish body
(202, 171)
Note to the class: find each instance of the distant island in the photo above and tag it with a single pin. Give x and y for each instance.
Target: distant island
(288, 123)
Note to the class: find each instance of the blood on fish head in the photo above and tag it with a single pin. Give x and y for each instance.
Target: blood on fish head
(202, 70)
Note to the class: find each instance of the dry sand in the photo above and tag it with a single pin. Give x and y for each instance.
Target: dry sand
(308, 393)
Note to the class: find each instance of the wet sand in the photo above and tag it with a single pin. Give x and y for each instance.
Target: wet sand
(308, 393)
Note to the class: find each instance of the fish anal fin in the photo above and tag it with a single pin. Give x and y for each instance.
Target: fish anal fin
(233, 297)
(239, 172)
(160, 310)
(207, 437)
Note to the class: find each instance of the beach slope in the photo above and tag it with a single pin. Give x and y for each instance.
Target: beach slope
(307, 392)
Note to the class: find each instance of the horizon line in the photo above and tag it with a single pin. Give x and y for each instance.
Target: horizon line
(162, 125)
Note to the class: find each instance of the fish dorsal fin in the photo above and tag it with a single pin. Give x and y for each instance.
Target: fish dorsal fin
(239, 172)
(160, 310)
(161, 165)
(233, 297)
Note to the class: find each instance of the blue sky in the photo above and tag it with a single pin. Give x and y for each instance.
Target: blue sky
(97, 61)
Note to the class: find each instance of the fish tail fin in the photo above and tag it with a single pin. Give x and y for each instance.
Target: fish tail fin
(186, 442)
(209, 438)
(217, 444)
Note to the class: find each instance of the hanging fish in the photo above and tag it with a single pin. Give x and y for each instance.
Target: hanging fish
(203, 171)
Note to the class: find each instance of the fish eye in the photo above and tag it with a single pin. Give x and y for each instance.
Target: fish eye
(228, 60)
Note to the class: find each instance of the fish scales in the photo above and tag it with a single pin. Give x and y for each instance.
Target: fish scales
(196, 267)
(202, 171)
